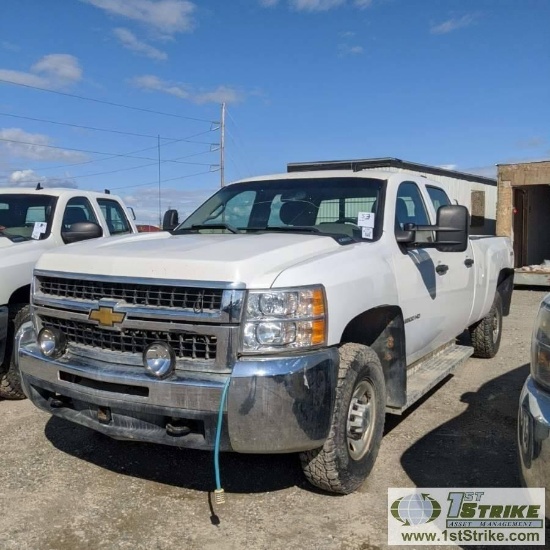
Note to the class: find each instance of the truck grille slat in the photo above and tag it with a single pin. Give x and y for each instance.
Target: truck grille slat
(185, 345)
(185, 298)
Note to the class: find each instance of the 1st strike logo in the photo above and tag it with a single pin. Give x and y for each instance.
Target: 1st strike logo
(106, 317)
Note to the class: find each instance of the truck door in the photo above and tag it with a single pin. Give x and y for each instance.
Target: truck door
(418, 284)
(455, 276)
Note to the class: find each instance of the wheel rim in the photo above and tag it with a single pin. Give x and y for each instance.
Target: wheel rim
(496, 326)
(360, 424)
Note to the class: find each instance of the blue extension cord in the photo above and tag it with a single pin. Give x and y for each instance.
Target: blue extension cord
(220, 499)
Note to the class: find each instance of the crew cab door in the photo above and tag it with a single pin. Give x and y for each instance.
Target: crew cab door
(435, 287)
(456, 276)
(418, 284)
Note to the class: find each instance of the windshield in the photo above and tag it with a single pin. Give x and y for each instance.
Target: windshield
(21, 214)
(333, 206)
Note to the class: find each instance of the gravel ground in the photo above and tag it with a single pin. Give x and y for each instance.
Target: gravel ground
(64, 487)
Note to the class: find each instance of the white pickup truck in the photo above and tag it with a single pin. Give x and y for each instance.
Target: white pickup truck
(33, 221)
(288, 313)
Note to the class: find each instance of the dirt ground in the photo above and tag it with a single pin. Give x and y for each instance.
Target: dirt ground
(64, 487)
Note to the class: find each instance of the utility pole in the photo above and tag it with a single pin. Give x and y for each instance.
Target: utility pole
(222, 146)
(160, 214)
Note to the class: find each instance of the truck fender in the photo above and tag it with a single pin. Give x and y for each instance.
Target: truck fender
(382, 329)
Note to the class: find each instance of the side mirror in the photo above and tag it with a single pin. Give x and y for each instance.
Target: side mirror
(452, 228)
(170, 220)
(81, 231)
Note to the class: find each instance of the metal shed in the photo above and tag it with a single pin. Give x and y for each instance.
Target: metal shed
(523, 214)
(477, 193)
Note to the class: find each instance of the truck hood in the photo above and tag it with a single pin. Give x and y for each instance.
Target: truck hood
(253, 259)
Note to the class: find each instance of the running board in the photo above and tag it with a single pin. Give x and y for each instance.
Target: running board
(427, 373)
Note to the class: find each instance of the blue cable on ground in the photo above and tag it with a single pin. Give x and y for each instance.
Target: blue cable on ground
(219, 496)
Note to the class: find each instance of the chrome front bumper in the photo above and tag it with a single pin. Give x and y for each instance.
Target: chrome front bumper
(534, 437)
(274, 405)
(3, 331)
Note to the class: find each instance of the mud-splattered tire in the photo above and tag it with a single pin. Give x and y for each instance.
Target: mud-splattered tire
(486, 334)
(10, 380)
(345, 460)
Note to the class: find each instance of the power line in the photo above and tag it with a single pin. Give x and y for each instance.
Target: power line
(111, 156)
(112, 104)
(86, 127)
(40, 180)
(91, 152)
(163, 181)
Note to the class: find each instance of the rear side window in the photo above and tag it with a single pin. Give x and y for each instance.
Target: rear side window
(114, 215)
(438, 196)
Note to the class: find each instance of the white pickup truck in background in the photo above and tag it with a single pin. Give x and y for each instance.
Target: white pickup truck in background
(33, 221)
(288, 313)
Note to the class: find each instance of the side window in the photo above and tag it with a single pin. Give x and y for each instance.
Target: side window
(410, 208)
(236, 212)
(114, 215)
(438, 196)
(78, 210)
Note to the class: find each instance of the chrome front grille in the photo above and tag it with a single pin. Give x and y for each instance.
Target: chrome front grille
(201, 322)
(138, 294)
(185, 345)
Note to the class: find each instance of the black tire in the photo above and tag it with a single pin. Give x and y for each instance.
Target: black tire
(10, 380)
(486, 334)
(345, 460)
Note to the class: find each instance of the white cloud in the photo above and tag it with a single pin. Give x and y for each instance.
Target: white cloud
(448, 166)
(130, 41)
(54, 71)
(532, 143)
(34, 147)
(165, 16)
(29, 178)
(10, 46)
(362, 4)
(315, 5)
(454, 23)
(145, 203)
(183, 91)
(347, 49)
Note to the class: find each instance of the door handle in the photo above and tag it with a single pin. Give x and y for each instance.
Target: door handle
(469, 262)
(442, 269)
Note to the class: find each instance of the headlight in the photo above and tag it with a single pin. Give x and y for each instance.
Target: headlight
(52, 342)
(279, 320)
(540, 348)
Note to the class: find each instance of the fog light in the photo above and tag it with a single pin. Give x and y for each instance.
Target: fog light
(159, 359)
(52, 342)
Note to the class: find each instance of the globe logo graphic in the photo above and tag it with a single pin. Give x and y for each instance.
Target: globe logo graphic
(415, 509)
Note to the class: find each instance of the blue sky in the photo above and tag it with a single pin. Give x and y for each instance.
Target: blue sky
(458, 83)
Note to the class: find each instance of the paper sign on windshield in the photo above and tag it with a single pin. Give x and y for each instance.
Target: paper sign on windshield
(366, 232)
(365, 219)
(39, 229)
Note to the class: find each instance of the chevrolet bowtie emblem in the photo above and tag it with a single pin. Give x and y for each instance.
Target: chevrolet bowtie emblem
(106, 317)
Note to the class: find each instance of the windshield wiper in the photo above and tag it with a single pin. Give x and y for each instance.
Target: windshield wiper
(198, 226)
(287, 228)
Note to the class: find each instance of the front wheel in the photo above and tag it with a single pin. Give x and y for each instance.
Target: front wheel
(345, 460)
(10, 379)
(486, 334)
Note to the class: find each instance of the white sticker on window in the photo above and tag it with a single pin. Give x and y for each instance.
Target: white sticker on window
(365, 219)
(366, 232)
(39, 229)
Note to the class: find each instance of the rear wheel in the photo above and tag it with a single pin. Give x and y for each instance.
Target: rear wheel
(348, 455)
(10, 379)
(486, 334)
